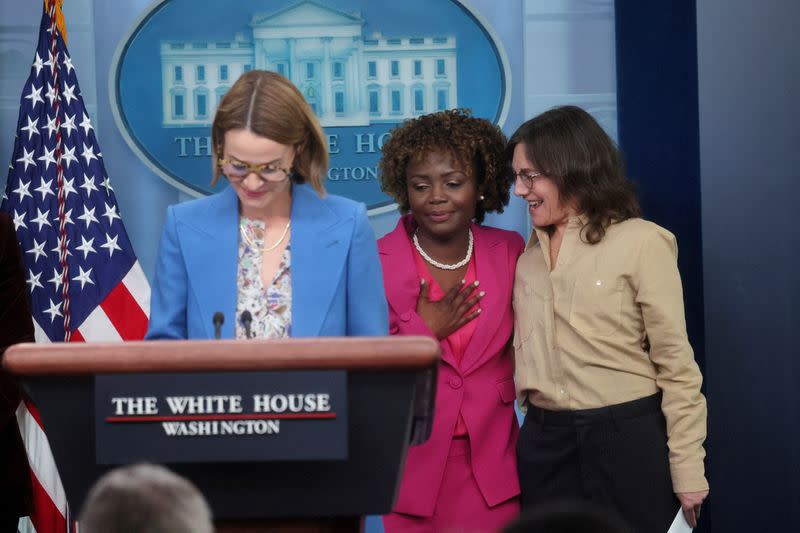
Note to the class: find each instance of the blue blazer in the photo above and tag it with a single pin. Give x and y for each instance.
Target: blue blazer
(337, 284)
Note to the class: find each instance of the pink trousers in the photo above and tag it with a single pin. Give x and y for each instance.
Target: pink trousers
(460, 507)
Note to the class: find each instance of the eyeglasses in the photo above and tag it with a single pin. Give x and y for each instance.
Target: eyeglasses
(239, 170)
(527, 176)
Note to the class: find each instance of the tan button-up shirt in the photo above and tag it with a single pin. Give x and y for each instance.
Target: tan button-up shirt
(579, 331)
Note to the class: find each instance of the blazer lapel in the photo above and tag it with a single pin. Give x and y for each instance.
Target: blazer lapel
(491, 257)
(210, 246)
(319, 245)
(400, 274)
(401, 287)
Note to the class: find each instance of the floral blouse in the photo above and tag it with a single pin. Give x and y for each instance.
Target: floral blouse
(270, 307)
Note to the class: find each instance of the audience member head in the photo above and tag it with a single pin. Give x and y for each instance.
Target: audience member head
(145, 498)
(568, 517)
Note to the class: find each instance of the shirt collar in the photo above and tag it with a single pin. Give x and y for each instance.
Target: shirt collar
(575, 223)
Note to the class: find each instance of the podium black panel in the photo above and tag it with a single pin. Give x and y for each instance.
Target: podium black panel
(383, 418)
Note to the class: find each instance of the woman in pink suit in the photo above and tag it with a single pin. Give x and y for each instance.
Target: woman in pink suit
(448, 277)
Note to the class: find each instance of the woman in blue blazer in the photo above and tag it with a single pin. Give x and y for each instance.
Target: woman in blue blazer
(271, 245)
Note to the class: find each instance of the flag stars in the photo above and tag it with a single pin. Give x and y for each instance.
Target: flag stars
(86, 124)
(68, 157)
(57, 250)
(33, 280)
(88, 153)
(111, 244)
(51, 126)
(51, 94)
(19, 220)
(35, 95)
(57, 279)
(69, 124)
(88, 216)
(41, 218)
(27, 159)
(84, 277)
(50, 62)
(111, 213)
(68, 215)
(22, 189)
(48, 158)
(37, 64)
(37, 250)
(88, 184)
(31, 128)
(86, 247)
(69, 188)
(54, 310)
(45, 188)
(67, 62)
(62, 115)
(69, 93)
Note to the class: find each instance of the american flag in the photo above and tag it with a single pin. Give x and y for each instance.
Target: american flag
(85, 281)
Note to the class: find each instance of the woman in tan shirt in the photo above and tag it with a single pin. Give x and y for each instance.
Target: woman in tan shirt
(603, 363)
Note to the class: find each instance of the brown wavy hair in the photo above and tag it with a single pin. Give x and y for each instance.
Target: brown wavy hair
(475, 142)
(568, 146)
(268, 105)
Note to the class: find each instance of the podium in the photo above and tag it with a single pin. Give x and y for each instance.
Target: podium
(388, 385)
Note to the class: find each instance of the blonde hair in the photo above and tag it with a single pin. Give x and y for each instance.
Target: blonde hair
(268, 105)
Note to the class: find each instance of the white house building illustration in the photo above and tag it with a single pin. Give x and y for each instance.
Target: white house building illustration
(347, 78)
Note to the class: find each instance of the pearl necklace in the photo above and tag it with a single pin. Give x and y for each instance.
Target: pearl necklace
(250, 239)
(436, 263)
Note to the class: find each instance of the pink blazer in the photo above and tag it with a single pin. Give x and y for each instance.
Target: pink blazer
(482, 389)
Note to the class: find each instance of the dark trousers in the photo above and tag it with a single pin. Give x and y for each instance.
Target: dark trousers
(615, 457)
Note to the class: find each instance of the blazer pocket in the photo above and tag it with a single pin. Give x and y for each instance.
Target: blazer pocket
(508, 392)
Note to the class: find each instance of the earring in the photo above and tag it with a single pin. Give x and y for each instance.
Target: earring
(481, 198)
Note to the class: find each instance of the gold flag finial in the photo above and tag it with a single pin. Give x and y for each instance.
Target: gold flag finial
(60, 23)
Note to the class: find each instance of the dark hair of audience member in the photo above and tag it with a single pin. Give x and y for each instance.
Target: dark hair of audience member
(568, 517)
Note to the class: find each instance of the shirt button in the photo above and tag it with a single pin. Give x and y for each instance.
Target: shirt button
(405, 317)
(456, 382)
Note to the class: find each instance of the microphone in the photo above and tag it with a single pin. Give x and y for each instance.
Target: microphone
(218, 319)
(247, 319)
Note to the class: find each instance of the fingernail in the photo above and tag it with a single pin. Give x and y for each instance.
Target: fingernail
(463, 281)
(422, 281)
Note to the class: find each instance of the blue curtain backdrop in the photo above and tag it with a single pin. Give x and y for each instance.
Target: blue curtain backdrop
(658, 134)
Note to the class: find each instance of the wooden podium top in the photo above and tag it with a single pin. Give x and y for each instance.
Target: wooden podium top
(351, 353)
